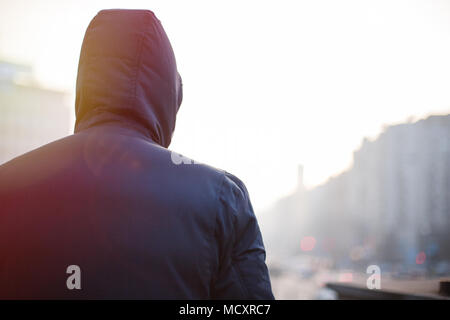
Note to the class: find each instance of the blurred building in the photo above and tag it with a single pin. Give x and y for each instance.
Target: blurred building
(401, 190)
(30, 115)
(391, 208)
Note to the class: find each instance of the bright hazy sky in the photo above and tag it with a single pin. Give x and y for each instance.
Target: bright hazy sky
(268, 85)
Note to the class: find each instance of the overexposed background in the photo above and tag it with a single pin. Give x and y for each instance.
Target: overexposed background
(267, 85)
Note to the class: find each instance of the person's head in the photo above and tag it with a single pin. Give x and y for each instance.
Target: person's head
(127, 74)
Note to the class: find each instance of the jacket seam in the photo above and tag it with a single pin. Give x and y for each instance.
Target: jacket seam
(234, 266)
(138, 64)
(218, 199)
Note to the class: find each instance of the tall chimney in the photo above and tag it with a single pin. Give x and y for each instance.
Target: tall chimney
(300, 185)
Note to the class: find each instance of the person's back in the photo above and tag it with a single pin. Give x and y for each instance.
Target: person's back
(138, 220)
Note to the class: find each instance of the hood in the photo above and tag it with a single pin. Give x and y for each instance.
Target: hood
(127, 75)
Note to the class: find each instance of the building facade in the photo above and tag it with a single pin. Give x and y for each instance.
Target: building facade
(30, 116)
(391, 207)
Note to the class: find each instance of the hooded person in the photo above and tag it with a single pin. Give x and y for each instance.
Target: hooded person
(110, 212)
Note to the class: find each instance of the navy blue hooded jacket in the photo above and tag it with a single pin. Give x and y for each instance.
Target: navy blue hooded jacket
(137, 220)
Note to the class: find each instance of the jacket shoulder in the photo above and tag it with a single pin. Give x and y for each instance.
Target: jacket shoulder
(231, 191)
